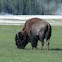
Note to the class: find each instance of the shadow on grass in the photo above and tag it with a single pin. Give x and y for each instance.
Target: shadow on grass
(56, 49)
(31, 49)
(53, 49)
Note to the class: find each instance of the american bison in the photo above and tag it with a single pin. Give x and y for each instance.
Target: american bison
(34, 29)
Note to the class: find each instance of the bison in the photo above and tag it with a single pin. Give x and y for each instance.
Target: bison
(34, 29)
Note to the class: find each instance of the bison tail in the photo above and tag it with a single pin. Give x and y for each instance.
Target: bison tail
(48, 33)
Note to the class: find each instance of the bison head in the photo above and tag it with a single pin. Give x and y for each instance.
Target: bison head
(20, 40)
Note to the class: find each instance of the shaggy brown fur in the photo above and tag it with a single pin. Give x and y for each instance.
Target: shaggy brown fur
(35, 29)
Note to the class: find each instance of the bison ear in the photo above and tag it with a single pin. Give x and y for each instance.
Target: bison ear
(17, 37)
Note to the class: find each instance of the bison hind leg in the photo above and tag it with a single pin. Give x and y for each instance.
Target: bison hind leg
(42, 40)
(48, 41)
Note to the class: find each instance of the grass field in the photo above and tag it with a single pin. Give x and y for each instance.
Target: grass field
(10, 53)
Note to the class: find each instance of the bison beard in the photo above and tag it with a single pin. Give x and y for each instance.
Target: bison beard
(34, 29)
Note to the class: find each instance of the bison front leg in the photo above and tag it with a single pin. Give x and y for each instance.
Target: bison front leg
(34, 47)
(48, 44)
(34, 42)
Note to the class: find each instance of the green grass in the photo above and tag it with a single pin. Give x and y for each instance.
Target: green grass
(10, 53)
